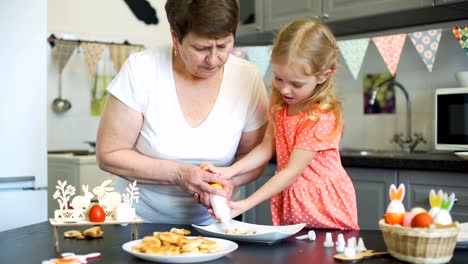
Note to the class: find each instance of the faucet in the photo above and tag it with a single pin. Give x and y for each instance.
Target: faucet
(408, 143)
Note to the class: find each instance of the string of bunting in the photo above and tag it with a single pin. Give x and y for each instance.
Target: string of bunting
(389, 47)
(103, 61)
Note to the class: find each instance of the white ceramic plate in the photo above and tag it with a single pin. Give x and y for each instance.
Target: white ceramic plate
(462, 240)
(463, 154)
(263, 233)
(226, 248)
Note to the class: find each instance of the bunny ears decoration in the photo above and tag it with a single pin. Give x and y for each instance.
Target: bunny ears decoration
(441, 204)
(396, 199)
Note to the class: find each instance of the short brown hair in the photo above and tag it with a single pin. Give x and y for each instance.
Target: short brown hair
(211, 18)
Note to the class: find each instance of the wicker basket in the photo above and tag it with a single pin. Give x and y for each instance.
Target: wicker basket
(420, 245)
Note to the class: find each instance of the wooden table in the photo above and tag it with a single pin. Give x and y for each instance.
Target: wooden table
(34, 243)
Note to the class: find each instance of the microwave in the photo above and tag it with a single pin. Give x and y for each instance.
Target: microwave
(451, 119)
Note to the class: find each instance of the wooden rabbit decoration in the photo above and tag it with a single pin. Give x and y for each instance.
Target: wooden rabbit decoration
(82, 202)
(106, 197)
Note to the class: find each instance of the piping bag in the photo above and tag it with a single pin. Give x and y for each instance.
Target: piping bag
(220, 207)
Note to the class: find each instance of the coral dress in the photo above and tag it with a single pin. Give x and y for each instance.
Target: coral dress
(323, 196)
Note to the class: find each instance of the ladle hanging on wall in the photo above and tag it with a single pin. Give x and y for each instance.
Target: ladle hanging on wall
(60, 105)
(63, 53)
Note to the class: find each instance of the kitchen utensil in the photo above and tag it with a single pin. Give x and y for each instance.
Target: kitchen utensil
(82, 258)
(60, 105)
(63, 51)
(360, 256)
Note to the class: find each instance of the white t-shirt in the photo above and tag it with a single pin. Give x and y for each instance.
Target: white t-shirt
(146, 84)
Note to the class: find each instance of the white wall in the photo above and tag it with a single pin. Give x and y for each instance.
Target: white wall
(106, 20)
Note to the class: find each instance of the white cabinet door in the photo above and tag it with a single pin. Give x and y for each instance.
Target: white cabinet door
(22, 207)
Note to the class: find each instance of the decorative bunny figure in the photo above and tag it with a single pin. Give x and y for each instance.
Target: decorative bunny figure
(82, 202)
(443, 217)
(396, 199)
(395, 210)
(435, 201)
(106, 197)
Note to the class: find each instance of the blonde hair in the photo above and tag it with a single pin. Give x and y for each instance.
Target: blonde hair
(312, 46)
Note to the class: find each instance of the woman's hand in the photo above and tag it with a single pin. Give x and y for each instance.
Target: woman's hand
(196, 181)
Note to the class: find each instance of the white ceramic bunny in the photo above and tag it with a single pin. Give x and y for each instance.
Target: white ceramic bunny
(106, 197)
(435, 201)
(396, 199)
(443, 217)
(82, 202)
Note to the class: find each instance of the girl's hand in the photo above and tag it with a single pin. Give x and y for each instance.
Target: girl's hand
(223, 172)
(237, 208)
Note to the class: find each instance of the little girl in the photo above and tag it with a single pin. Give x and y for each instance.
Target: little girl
(305, 127)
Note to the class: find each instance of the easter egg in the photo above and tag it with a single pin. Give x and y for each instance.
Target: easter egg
(394, 218)
(422, 220)
(123, 212)
(407, 218)
(417, 210)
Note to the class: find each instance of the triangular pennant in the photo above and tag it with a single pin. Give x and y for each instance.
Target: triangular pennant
(119, 53)
(427, 44)
(63, 50)
(240, 52)
(260, 56)
(92, 53)
(390, 48)
(105, 72)
(460, 32)
(353, 52)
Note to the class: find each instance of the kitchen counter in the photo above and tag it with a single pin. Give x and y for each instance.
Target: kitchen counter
(433, 161)
(34, 243)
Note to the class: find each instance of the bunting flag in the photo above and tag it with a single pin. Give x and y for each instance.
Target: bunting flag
(240, 52)
(353, 52)
(105, 72)
(260, 56)
(460, 32)
(390, 48)
(62, 52)
(120, 53)
(92, 53)
(427, 44)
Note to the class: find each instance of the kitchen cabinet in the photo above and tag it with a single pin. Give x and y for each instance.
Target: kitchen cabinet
(76, 170)
(279, 12)
(347, 9)
(251, 16)
(260, 214)
(371, 186)
(344, 17)
(419, 183)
